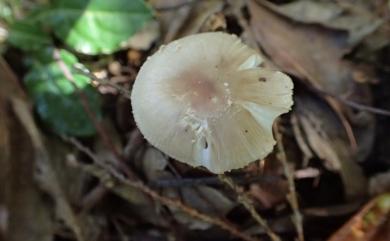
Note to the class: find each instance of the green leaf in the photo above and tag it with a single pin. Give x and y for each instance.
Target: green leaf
(97, 26)
(28, 36)
(56, 99)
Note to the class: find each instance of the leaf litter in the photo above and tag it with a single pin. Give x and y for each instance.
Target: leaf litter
(115, 186)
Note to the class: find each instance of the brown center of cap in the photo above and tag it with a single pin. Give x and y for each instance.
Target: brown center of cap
(205, 97)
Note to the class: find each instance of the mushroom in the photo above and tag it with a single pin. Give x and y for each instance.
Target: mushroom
(204, 101)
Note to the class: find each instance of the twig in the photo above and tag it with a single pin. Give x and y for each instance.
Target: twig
(97, 124)
(292, 195)
(125, 93)
(84, 101)
(139, 185)
(238, 179)
(214, 181)
(353, 104)
(247, 203)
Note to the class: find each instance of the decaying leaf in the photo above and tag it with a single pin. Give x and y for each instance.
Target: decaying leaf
(24, 213)
(44, 173)
(356, 19)
(326, 138)
(188, 18)
(203, 198)
(200, 13)
(37, 169)
(170, 28)
(154, 162)
(372, 223)
(310, 52)
(380, 183)
(314, 53)
(144, 38)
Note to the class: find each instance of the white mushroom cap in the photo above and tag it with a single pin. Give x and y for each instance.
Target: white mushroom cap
(204, 101)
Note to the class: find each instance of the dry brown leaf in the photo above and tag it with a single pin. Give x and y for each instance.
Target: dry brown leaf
(89, 226)
(314, 54)
(154, 163)
(25, 215)
(37, 167)
(323, 133)
(197, 20)
(310, 52)
(44, 173)
(171, 21)
(356, 19)
(186, 19)
(144, 38)
(140, 204)
(380, 183)
(206, 199)
(4, 147)
(372, 223)
(269, 194)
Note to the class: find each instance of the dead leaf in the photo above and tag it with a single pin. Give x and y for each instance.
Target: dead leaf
(36, 170)
(310, 52)
(356, 19)
(171, 21)
(202, 198)
(200, 16)
(310, 11)
(380, 183)
(372, 223)
(154, 163)
(326, 138)
(144, 38)
(269, 193)
(314, 54)
(44, 173)
(25, 216)
(187, 19)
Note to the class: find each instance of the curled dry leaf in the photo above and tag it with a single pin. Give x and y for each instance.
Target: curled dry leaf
(355, 18)
(144, 38)
(154, 162)
(171, 21)
(190, 18)
(372, 223)
(203, 198)
(31, 212)
(314, 54)
(307, 51)
(323, 134)
(202, 13)
(44, 173)
(25, 216)
(380, 183)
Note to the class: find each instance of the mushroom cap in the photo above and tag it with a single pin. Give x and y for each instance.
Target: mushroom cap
(205, 101)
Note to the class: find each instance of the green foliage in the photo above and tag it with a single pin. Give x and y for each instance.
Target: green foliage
(28, 36)
(57, 99)
(97, 26)
(87, 26)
